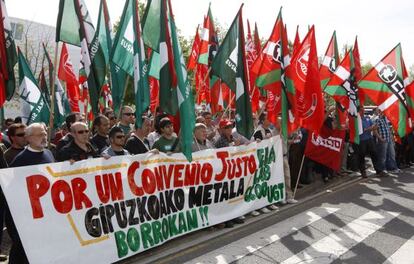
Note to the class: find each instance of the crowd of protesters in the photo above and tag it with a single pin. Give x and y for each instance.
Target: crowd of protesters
(109, 136)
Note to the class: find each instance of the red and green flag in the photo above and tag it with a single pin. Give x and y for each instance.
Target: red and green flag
(43, 86)
(343, 87)
(267, 66)
(330, 61)
(384, 85)
(230, 65)
(358, 70)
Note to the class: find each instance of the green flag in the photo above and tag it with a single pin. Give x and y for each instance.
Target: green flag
(67, 25)
(230, 65)
(122, 56)
(34, 107)
(10, 55)
(184, 94)
(151, 28)
(92, 56)
(123, 50)
(141, 87)
(62, 105)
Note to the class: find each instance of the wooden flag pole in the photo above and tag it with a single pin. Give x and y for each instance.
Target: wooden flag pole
(297, 181)
(53, 97)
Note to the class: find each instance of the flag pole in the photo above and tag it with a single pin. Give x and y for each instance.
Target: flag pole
(53, 96)
(123, 96)
(300, 172)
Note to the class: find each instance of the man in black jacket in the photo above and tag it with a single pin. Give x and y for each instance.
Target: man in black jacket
(80, 148)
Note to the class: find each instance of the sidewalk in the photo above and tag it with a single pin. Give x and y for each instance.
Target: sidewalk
(187, 243)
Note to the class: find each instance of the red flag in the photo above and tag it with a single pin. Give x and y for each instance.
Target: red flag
(251, 56)
(66, 74)
(202, 84)
(154, 90)
(216, 99)
(257, 42)
(192, 61)
(296, 42)
(273, 106)
(309, 108)
(326, 147)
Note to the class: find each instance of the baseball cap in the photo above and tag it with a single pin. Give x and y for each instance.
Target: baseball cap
(225, 123)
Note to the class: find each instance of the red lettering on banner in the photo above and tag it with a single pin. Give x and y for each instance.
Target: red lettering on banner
(65, 205)
(178, 181)
(37, 186)
(206, 173)
(131, 180)
(222, 155)
(79, 186)
(148, 181)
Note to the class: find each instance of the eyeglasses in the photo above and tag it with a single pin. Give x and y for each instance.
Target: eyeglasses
(19, 135)
(129, 114)
(112, 118)
(82, 131)
(120, 136)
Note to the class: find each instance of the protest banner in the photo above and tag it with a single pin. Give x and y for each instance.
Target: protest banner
(101, 211)
(326, 147)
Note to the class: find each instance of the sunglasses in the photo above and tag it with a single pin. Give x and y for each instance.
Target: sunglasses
(129, 114)
(82, 131)
(19, 135)
(120, 136)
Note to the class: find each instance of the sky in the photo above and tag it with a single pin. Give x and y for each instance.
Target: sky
(379, 24)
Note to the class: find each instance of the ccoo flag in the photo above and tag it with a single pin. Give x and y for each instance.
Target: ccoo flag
(230, 65)
(34, 107)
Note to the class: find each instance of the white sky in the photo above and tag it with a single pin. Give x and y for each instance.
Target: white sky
(379, 24)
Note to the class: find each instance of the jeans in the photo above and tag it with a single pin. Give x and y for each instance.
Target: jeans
(386, 150)
(390, 162)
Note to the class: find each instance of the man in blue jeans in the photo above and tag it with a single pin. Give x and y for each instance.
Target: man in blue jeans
(384, 142)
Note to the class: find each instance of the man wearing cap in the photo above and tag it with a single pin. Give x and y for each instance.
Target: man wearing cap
(226, 138)
(200, 138)
(167, 143)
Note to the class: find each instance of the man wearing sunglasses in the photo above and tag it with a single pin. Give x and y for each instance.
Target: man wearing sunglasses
(127, 119)
(80, 148)
(18, 141)
(117, 139)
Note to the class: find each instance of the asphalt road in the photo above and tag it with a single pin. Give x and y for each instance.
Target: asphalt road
(371, 221)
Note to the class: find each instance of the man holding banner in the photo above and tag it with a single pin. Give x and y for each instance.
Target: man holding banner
(35, 153)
